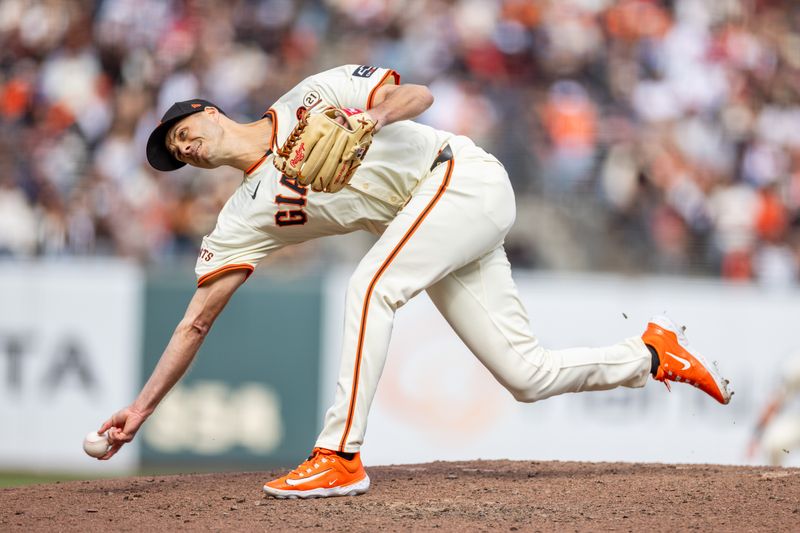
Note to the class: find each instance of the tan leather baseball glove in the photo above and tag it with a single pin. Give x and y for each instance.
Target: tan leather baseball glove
(325, 149)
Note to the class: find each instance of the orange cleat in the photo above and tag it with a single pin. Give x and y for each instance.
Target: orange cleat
(679, 362)
(322, 475)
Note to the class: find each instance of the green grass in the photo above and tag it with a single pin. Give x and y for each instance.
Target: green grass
(17, 479)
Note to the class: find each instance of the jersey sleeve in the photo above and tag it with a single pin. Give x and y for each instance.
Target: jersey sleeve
(233, 245)
(355, 85)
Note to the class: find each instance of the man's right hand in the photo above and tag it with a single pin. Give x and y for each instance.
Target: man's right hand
(122, 427)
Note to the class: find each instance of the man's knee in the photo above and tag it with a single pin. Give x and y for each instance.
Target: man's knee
(380, 290)
(531, 381)
(526, 395)
(523, 389)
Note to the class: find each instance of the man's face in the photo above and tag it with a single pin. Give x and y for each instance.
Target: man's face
(194, 140)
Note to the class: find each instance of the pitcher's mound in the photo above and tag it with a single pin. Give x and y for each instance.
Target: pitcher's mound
(461, 496)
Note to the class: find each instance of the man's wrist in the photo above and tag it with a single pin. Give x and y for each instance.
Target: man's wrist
(379, 118)
(140, 408)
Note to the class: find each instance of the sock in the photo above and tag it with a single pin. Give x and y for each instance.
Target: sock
(346, 455)
(654, 360)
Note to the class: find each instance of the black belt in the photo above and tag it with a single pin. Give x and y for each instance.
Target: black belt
(445, 155)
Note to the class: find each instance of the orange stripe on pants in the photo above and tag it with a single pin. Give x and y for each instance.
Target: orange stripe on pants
(368, 296)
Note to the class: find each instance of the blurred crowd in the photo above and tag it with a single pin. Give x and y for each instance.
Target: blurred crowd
(641, 135)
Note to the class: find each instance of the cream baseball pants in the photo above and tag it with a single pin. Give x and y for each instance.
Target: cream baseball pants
(448, 240)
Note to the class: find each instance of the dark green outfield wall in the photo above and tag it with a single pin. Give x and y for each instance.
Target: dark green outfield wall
(251, 395)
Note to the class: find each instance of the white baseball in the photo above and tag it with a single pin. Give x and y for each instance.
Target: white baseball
(95, 444)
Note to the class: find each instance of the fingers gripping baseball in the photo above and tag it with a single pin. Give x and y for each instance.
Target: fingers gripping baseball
(325, 149)
(121, 427)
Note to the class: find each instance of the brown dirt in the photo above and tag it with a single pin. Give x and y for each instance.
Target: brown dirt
(465, 496)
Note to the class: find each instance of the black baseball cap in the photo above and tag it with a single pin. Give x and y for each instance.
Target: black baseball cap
(157, 154)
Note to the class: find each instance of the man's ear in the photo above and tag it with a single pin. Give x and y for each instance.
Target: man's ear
(212, 112)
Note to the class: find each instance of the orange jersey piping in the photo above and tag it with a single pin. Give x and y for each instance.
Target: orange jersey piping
(274, 116)
(383, 81)
(226, 268)
(255, 165)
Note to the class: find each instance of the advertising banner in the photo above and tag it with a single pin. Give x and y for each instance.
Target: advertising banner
(69, 349)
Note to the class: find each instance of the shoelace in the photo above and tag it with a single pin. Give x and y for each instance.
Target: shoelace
(302, 469)
(665, 381)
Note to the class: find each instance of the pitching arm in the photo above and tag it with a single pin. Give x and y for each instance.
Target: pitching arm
(392, 103)
(207, 303)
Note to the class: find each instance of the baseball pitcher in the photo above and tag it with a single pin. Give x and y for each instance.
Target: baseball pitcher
(338, 153)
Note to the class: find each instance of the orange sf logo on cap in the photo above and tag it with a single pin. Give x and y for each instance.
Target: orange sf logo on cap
(195, 106)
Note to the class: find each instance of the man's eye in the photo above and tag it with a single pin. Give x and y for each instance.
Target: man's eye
(182, 135)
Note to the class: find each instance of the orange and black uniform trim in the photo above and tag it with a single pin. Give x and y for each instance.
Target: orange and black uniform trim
(227, 268)
(273, 115)
(395, 79)
(371, 288)
(256, 164)
(274, 118)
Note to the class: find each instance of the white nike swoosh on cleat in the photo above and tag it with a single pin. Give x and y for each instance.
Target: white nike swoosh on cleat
(295, 482)
(686, 363)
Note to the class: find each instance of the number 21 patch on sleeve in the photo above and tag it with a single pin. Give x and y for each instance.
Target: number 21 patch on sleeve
(364, 71)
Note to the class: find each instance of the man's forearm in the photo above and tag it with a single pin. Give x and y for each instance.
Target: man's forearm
(204, 308)
(404, 102)
(177, 356)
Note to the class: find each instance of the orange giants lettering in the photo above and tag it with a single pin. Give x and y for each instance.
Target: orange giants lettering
(292, 204)
(291, 217)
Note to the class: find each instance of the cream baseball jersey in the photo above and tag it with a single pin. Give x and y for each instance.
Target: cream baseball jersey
(269, 210)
